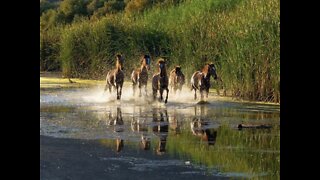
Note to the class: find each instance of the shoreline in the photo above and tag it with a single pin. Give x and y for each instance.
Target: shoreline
(55, 81)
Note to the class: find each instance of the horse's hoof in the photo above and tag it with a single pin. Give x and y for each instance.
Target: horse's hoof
(165, 101)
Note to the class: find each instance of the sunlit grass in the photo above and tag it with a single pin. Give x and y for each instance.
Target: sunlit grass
(55, 82)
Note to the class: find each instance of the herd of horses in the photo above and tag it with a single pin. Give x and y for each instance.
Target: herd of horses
(200, 80)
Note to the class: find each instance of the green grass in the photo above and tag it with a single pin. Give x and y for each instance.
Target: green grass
(242, 37)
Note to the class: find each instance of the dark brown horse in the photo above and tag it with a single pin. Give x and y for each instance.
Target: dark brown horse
(200, 80)
(160, 81)
(140, 76)
(176, 79)
(115, 77)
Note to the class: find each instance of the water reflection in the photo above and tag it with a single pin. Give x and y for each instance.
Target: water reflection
(117, 123)
(160, 128)
(119, 144)
(175, 123)
(176, 130)
(200, 126)
(139, 125)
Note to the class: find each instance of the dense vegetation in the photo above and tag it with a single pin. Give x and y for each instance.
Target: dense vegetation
(242, 37)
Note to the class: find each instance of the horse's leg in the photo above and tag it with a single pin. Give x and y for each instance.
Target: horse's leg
(117, 86)
(120, 90)
(166, 95)
(161, 93)
(134, 86)
(140, 89)
(207, 91)
(145, 89)
(110, 86)
(201, 93)
(195, 93)
(154, 92)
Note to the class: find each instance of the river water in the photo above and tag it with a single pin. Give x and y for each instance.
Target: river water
(87, 134)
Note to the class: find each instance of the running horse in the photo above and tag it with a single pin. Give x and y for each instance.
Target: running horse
(200, 80)
(140, 76)
(160, 81)
(176, 79)
(115, 77)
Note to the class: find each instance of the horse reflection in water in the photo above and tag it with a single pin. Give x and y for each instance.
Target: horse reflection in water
(174, 124)
(200, 128)
(138, 124)
(160, 128)
(117, 123)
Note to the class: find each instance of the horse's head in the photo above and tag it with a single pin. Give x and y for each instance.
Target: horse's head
(212, 70)
(178, 70)
(146, 61)
(162, 66)
(119, 61)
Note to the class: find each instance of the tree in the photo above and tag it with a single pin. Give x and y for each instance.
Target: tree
(72, 7)
(93, 6)
(137, 6)
(46, 5)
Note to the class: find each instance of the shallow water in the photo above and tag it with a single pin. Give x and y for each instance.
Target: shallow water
(180, 137)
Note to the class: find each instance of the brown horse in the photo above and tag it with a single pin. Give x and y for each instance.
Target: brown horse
(160, 81)
(140, 76)
(115, 77)
(176, 79)
(200, 80)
